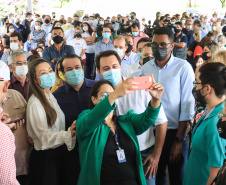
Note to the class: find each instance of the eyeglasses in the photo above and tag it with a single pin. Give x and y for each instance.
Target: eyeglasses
(104, 94)
(19, 63)
(195, 84)
(161, 45)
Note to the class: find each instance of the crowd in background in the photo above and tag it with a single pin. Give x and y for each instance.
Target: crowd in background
(71, 111)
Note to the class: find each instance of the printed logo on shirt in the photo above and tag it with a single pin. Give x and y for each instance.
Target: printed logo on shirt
(77, 45)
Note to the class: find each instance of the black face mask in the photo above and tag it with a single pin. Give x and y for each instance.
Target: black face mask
(112, 22)
(54, 16)
(132, 17)
(58, 39)
(47, 21)
(204, 56)
(130, 47)
(177, 30)
(78, 35)
(221, 126)
(160, 54)
(145, 60)
(198, 96)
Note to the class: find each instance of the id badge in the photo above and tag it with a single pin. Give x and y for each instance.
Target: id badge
(121, 156)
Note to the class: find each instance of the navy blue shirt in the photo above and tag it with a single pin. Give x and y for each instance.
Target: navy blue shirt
(50, 53)
(188, 34)
(71, 102)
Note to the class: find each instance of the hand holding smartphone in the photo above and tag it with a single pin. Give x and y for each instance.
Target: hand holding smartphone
(145, 82)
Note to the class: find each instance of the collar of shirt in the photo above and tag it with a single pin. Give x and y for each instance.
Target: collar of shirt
(53, 47)
(214, 111)
(14, 79)
(102, 42)
(175, 37)
(85, 84)
(125, 58)
(168, 63)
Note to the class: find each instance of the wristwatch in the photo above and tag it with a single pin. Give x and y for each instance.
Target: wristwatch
(179, 139)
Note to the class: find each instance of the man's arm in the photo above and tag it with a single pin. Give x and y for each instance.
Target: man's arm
(71, 51)
(180, 45)
(153, 159)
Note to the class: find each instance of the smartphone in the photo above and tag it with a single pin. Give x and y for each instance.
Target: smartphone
(145, 82)
(15, 121)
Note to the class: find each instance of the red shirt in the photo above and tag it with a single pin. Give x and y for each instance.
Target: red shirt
(7, 160)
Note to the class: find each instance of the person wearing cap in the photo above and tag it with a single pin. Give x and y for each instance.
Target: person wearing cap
(37, 35)
(19, 80)
(7, 146)
(15, 45)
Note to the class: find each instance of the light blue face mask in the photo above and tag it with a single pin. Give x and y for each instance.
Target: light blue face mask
(75, 76)
(90, 21)
(139, 55)
(135, 34)
(107, 35)
(113, 75)
(47, 80)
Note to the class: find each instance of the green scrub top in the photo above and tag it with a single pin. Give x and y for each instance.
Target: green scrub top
(207, 150)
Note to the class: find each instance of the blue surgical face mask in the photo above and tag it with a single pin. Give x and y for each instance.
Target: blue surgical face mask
(47, 80)
(75, 76)
(139, 55)
(113, 75)
(135, 34)
(107, 35)
(90, 21)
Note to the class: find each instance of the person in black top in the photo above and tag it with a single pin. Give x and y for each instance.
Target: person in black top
(26, 24)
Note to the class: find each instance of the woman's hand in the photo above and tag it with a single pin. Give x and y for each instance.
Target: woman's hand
(73, 127)
(126, 87)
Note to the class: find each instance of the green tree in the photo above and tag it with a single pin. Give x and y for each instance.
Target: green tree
(222, 3)
(63, 1)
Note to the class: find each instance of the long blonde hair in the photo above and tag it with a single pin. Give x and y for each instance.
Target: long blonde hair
(35, 89)
(218, 26)
(58, 81)
(220, 57)
(197, 35)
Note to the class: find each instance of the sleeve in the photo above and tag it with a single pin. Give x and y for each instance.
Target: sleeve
(184, 39)
(127, 72)
(49, 36)
(49, 139)
(71, 50)
(97, 49)
(215, 149)
(141, 122)
(187, 102)
(7, 160)
(84, 44)
(46, 55)
(5, 58)
(89, 120)
(23, 23)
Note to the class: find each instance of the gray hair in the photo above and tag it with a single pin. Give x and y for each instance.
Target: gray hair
(13, 55)
(221, 39)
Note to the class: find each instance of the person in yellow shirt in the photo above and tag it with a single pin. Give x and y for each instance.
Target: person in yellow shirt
(68, 24)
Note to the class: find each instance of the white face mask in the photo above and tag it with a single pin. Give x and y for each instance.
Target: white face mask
(214, 28)
(102, 22)
(40, 53)
(38, 28)
(183, 21)
(68, 24)
(11, 30)
(198, 64)
(21, 71)
(119, 51)
(85, 28)
(206, 20)
(14, 46)
(189, 27)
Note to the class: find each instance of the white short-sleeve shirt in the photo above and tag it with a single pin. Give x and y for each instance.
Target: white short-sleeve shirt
(78, 46)
(138, 102)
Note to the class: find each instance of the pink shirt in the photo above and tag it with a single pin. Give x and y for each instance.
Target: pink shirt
(7, 160)
(137, 38)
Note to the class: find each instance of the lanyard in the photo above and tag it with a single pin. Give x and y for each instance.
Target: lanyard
(116, 138)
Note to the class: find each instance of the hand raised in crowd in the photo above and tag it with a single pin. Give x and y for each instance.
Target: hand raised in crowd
(156, 90)
(152, 161)
(73, 127)
(4, 117)
(126, 87)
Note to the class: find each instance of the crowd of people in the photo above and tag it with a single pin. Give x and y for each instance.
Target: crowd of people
(72, 111)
